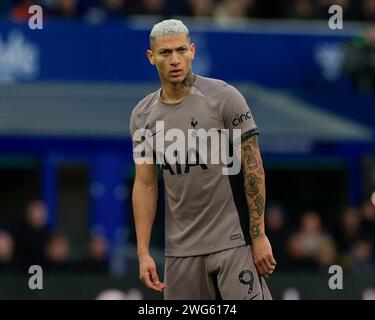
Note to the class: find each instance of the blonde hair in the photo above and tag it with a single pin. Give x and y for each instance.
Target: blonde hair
(168, 27)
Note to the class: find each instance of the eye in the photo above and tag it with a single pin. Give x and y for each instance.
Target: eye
(164, 53)
(182, 50)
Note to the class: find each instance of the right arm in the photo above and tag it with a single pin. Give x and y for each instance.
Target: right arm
(145, 194)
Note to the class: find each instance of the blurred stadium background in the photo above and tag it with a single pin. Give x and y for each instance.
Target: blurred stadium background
(66, 170)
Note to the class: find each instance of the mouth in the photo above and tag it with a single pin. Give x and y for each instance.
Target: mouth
(176, 73)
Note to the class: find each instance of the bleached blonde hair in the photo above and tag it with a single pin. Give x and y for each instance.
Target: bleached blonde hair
(168, 27)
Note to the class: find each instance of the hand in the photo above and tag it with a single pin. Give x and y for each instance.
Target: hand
(148, 275)
(262, 255)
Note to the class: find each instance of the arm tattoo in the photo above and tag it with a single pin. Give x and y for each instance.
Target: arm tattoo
(254, 184)
(254, 142)
(259, 205)
(255, 231)
(255, 214)
(250, 157)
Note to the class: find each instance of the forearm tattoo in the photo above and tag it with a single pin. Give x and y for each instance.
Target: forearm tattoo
(254, 184)
(251, 161)
(254, 230)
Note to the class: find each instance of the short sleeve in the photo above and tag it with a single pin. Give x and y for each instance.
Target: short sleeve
(142, 151)
(237, 114)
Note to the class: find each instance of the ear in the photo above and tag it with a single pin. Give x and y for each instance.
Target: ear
(192, 48)
(150, 57)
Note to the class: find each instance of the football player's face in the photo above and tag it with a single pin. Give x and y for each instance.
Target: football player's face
(173, 56)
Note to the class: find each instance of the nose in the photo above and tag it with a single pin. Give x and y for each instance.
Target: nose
(175, 59)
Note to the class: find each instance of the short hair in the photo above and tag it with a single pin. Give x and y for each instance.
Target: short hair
(168, 27)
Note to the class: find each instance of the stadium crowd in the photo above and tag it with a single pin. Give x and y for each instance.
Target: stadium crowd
(30, 242)
(313, 246)
(94, 10)
(308, 246)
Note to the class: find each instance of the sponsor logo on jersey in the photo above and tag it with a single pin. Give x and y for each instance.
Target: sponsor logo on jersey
(177, 150)
(239, 118)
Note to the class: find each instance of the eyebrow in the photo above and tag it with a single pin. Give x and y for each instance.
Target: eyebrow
(184, 46)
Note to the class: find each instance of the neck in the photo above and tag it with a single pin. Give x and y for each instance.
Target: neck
(176, 92)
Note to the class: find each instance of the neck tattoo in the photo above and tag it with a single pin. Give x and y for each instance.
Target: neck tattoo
(188, 81)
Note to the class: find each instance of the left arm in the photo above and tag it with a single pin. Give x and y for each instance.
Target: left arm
(254, 183)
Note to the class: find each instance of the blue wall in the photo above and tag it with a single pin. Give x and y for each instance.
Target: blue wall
(304, 61)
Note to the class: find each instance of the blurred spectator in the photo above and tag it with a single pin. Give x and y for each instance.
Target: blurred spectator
(302, 9)
(348, 233)
(363, 257)
(57, 254)
(198, 8)
(235, 9)
(368, 222)
(20, 12)
(31, 235)
(67, 9)
(147, 7)
(7, 262)
(99, 10)
(48, 4)
(359, 60)
(114, 8)
(368, 10)
(311, 248)
(96, 260)
(278, 233)
(105, 9)
(326, 255)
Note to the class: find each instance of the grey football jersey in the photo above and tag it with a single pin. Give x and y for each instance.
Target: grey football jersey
(206, 211)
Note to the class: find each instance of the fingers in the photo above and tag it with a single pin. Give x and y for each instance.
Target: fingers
(154, 275)
(148, 274)
(153, 285)
(151, 280)
(269, 266)
(266, 266)
(262, 270)
(265, 269)
(156, 280)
